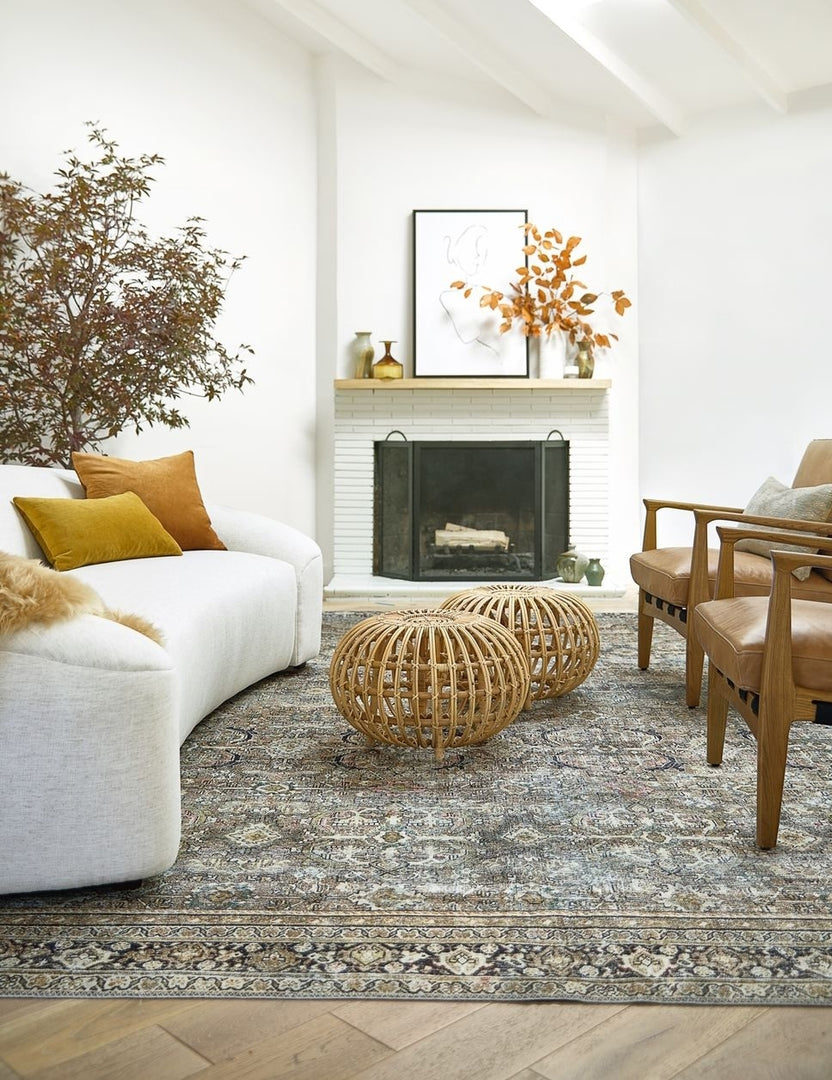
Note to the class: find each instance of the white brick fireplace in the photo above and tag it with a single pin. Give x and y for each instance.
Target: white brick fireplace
(457, 409)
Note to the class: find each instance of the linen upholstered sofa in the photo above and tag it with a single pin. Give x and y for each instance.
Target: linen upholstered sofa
(92, 712)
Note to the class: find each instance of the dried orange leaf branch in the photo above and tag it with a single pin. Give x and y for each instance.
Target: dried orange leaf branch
(545, 298)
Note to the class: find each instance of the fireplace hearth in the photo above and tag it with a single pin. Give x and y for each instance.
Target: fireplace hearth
(468, 510)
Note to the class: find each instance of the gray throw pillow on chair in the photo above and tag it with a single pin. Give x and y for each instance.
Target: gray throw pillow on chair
(773, 499)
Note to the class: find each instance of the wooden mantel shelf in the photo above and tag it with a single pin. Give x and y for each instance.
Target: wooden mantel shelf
(473, 384)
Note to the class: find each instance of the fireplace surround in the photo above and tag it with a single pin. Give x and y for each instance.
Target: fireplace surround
(470, 409)
(463, 510)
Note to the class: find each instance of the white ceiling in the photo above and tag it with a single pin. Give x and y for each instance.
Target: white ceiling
(642, 63)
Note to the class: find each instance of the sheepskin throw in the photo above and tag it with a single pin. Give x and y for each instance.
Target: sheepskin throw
(33, 593)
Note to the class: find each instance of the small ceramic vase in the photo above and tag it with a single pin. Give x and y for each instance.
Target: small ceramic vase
(571, 565)
(363, 353)
(594, 572)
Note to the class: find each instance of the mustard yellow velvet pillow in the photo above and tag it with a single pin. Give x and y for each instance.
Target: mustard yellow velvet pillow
(167, 486)
(78, 532)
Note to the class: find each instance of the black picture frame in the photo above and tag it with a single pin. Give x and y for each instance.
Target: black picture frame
(453, 337)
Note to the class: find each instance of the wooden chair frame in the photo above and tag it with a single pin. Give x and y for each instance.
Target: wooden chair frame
(655, 607)
(779, 703)
(681, 617)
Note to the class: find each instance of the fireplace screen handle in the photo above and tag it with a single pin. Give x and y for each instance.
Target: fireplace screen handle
(397, 432)
(551, 433)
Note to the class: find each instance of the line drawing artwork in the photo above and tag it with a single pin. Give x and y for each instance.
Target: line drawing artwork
(466, 256)
(453, 335)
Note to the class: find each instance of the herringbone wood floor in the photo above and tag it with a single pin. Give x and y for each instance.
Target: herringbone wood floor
(326, 1040)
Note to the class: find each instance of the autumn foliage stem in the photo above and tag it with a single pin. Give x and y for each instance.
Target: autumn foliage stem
(546, 297)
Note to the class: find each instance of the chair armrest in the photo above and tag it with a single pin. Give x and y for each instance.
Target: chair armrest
(652, 506)
(787, 561)
(777, 685)
(708, 515)
(668, 504)
(728, 537)
(703, 517)
(257, 534)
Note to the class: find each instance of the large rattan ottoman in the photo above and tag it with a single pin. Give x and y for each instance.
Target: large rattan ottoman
(429, 679)
(557, 631)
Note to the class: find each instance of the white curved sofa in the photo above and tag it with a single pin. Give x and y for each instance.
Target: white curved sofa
(92, 713)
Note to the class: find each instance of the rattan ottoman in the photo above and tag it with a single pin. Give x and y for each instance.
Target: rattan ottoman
(429, 679)
(557, 631)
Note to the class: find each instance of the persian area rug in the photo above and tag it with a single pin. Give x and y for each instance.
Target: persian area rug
(587, 852)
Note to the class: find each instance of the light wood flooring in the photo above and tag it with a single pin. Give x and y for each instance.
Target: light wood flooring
(326, 1040)
(360, 1040)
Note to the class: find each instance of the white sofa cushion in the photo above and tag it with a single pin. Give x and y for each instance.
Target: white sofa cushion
(217, 613)
(15, 536)
(242, 531)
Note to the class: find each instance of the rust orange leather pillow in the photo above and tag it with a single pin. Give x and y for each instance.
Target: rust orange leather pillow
(167, 486)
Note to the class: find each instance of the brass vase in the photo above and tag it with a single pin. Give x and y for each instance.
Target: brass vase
(387, 367)
(585, 360)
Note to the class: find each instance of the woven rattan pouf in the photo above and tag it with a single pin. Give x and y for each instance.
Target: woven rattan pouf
(558, 632)
(434, 679)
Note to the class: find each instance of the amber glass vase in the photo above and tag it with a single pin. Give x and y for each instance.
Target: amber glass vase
(387, 367)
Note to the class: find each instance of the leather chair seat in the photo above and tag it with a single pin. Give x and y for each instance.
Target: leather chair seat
(665, 572)
(733, 634)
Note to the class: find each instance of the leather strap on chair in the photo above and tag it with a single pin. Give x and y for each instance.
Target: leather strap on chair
(661, 605)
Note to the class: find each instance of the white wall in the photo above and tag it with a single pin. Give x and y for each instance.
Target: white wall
(230, 104)
(397, 151)
(721, 376)
(735, 250)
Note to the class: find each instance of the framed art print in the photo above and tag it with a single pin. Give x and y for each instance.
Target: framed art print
(453, 336)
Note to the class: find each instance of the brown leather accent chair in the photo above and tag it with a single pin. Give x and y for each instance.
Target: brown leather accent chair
(769, 658)
(673, 580)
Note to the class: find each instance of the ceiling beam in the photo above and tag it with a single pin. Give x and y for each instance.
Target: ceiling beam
(340, 36)
(650, 96)
(752, 68)
(481, 52)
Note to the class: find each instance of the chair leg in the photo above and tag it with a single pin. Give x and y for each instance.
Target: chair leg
(645, 634)
(772, 747)
(695, 662)
(717, 716)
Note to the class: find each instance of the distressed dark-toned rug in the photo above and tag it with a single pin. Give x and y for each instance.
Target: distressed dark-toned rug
(587, 852)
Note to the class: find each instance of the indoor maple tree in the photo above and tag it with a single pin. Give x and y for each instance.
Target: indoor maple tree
(102, 327)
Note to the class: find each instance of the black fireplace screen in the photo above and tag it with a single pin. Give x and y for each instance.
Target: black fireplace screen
(470, 510)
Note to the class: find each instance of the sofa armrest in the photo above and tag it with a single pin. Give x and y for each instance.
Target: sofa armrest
(241, 530)
(89, 756)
